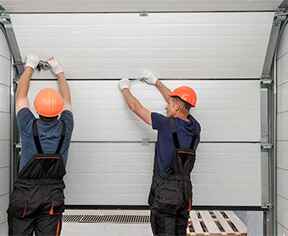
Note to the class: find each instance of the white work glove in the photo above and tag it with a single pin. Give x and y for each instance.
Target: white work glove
(56, 67)
(148, 77)
(124, 83)
(32, 61)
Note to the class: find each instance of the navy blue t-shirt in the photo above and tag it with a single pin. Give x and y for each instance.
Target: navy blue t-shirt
(165, 149)
(49, 132)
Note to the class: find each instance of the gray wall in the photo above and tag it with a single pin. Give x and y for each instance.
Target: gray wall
(283, 136)
(4, 130)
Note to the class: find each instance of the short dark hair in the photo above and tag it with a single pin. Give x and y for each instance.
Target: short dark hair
(185, 105)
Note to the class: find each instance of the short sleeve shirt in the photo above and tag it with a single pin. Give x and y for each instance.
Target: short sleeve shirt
(165, 149)
(49, 134)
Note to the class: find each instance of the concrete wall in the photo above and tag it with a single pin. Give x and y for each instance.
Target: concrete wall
(283, 136)
(4, 130)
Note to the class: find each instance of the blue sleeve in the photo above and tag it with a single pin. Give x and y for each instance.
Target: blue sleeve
(159, 121)
(67, 118)
(24, 116)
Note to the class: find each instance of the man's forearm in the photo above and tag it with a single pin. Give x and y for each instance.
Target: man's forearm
(163, 90)
(131, 100)
(64, 88)
(24, 83)
(135, 106)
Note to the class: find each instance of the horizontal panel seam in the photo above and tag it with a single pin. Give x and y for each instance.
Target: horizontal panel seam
(281, 196)
(282, 55)
(281, 112)
(283, 226)
(282, 83)
(5, 112)
(6, 85)
(4, 194)
(212, 142)
(5, 166)
(164, 79)
(5, 57)
(137, 12)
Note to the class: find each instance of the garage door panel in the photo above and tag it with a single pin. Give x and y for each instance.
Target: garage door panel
(4, 49)
(4, 126)
(123, 171)
(5, 71)
(5, 157)
(283, 211)
(4, 98)
(4, 180)
(282, 70)
(4, 200)
(282, 175)
(282, 97)
(282, 126)
(173, 45)
(101, 115)
(283, 48)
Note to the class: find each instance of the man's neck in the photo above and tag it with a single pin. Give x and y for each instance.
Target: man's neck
(182, 116)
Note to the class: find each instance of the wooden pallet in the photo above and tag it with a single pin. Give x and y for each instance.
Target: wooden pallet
(215, 223)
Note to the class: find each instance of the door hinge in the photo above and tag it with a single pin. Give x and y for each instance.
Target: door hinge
(266, 146)
(267, 205)
(266, 81)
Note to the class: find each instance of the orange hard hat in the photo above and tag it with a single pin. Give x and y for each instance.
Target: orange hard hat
(186, 93)
(48, 103)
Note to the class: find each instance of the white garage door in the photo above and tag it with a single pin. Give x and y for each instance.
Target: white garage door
(221, 55)
(5, 76)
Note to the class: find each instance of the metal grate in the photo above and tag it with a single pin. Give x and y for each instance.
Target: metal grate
(114, 219)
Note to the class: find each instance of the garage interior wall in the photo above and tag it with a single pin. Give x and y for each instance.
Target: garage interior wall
(220, 54)
(282, 148)
(5, 71)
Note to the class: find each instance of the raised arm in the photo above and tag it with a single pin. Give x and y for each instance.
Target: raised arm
(133, 103)
(24, 82)
(151, 79)
(62, 82)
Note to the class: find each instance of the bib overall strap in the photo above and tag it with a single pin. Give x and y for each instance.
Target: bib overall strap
(174, 133)
(37, 138)
(61, 139)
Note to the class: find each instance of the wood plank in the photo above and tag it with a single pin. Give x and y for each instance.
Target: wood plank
(229, 231)
(238, 223)
(196, 224)
(210, 224)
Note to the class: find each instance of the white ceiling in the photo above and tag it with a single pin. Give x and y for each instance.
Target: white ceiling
(138, 5)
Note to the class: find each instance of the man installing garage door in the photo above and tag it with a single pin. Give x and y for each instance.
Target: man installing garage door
(170, 197)
(37, 201)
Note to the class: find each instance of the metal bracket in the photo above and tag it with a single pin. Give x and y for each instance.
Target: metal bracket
(266, 146)
(143, 13)
(266, 81)
(267, 205)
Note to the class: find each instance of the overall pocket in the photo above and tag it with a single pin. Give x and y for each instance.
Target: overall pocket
(169, 195)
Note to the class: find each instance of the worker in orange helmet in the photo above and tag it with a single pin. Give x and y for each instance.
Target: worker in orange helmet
(37, 200)
(170, 197)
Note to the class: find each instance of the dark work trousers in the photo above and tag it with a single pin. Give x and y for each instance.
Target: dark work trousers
(166, 224)
(42, 225)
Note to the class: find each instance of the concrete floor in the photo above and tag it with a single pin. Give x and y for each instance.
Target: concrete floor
(70, 229)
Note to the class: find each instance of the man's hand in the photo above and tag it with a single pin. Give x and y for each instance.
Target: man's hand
(148, 77)
(32, 61)
(124, 84)
(56, 67)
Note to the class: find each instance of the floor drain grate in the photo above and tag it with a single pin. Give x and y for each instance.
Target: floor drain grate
(114, 219)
